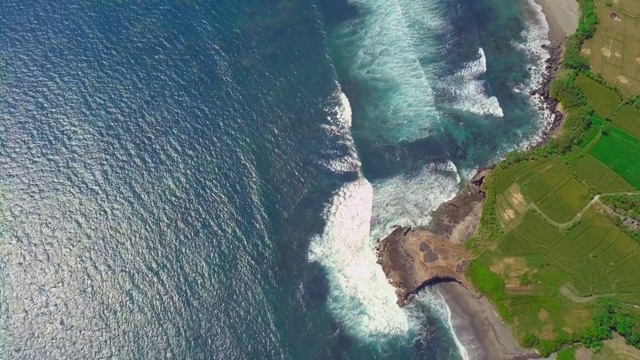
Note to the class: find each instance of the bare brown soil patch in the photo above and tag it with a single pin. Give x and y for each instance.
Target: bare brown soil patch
(509, 213)
(516, 199)
(547, 333)
(511, 269)
(543, 315)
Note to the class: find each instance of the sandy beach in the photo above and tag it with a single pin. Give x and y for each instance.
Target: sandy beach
(478, 326)
(561, 16)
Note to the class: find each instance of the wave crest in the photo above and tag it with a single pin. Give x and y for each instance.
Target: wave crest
(339, 125)
(409, 199)
(360, 294)
(394, 51)
(470, 91)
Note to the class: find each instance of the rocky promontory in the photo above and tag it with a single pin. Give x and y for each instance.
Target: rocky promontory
(415, 258)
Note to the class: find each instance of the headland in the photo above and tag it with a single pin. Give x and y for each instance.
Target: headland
(415, 258)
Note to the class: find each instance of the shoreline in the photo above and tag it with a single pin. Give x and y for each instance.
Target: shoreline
(561, 16)
(474, 319)
(409, 263)
(472, 314)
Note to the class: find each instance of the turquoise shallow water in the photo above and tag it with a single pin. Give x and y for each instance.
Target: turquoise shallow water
(200, 179)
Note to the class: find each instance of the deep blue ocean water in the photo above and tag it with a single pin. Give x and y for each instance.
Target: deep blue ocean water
(207, 179)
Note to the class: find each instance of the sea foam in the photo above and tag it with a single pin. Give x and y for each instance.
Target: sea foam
(435, 302)
(535, 46)
(409, 199)
(394, 50)
(470, 90)
(339, 125)
(360, 295)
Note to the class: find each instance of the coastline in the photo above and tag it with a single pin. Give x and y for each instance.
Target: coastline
(474, 319)
(473, 315)
(561, 17)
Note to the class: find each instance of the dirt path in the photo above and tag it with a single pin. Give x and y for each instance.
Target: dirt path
(564, 289)
(579, 215)
(575, 298)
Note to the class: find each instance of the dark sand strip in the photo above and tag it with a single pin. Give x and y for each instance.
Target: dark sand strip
(479, 328)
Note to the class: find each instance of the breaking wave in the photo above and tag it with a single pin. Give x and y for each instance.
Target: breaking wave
(437, 308)
(339, 125)
(535, 46)
(394, 50)
(470, 91)
(409, 199)
(360, 296)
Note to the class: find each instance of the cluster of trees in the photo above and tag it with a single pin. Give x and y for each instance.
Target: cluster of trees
(629, 205)
(565, 87)
(609, 318)
(626, 205)
(573, 59)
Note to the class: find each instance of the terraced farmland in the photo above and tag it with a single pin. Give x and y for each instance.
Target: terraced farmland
(614, 50)
(560, 247)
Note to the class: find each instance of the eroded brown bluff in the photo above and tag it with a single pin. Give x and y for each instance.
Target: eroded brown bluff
(415, 258)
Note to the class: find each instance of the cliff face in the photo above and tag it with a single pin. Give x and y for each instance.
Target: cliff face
(413, 259)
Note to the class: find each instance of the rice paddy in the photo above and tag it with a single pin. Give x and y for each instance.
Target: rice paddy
(560, 249)
(614, 50)
(549, 249)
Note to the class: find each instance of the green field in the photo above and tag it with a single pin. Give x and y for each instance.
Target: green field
(549, 249)
(599, 175)
(565, 203)
(619, 154)
(567, 354)
(627, 118)
(603, 100)
(614, 48)
(559, 252)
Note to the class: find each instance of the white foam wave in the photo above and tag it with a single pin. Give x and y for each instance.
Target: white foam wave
(432, 298)
(394, 50)
(360, 294)
(409, 199)
(535, 46)
(470, 91)
(339, 124)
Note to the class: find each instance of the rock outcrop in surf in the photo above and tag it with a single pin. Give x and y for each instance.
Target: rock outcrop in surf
(415, 258)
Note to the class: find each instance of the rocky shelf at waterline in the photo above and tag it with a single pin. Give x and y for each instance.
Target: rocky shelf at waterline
(414, 258)
(553, 66)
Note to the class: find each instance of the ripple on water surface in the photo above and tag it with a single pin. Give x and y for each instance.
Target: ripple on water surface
(139, 205)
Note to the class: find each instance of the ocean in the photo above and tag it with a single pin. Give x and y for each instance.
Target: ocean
(207, 179)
